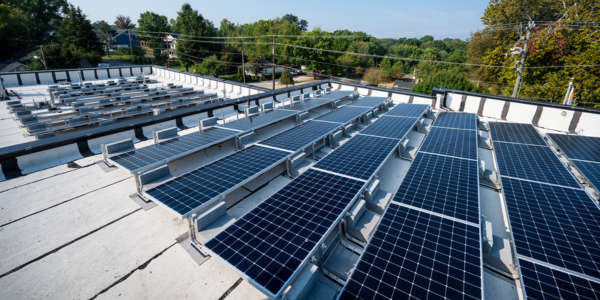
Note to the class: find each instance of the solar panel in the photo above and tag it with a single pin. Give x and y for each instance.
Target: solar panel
(556, 225)
(541, 282)
(271, 242)
(456, 120)
(537, 163)
(444, 185)
(578, 147)
(416, 255)
(360, 157)
(451, 142)
(591, 170)
(307, 105)
(337, 95)
(301, 136)
(344, 114)
(396, 128)
(190, 192)
(515, 133)
(369, 101)
(408, 110)
(156, 154)
(260, 120)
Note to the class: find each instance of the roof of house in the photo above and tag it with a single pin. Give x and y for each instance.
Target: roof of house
(8, 66)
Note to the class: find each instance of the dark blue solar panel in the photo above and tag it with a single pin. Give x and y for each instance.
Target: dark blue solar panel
(442, 184)
(408, 110)
(360, 157)
(515, 133)
(344, 114)
(148, 156)
(369, 101)
(451, 142)
(456, 120)
(307, 105)
(591, 170)
(541, 282)
(531, 162)
(259, 120)
(301, 136)
(270, 242)
(556, 225)
(578, 147)
(189, 192)
(416, 255)
(396, 128)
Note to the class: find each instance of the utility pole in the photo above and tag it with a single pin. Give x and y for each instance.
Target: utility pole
(273, 63)
(130, 46)
(569, 95)
(44, 57)
(523, 51)
(243, 67)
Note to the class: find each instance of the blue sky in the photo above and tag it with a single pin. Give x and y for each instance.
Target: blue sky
(383, 18)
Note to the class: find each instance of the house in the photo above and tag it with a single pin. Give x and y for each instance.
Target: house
(171, 44)
(267, 67)
(12, 66)
(122, 38)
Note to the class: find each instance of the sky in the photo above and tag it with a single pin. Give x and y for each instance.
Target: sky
(382, 18)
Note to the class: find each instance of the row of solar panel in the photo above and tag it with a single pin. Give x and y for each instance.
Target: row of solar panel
(190, 192)
(415, 254)
(552, 219)
(140, 159)
(273, 241)
(584, 153)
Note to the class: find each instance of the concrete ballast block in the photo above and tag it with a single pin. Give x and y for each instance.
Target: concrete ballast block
(154, 174)
(357, 211)
(119, 146)
(210, 215)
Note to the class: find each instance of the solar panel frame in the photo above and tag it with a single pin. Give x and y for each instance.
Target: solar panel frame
(531, 162)
(205, 185)
(542, 221)
(361, 157)
(157, 154)
(423, 187)
(344, 115)
(301, 136)
(307, 105)
(370, 101)
(591, 171)
(451, 142)
(542, 282)
(456, 120)
(407, 110)
(261, 120)
(395, 128)
(515, 133)
(303, 184)
(401, 232)
(577, 146)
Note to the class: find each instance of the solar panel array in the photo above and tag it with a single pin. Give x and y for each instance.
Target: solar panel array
(308, 104)
(427, 245)
(270, 243)
(301, 136)
(416, 255)
(451, 142)
(553, 220)
(360, 157)
(145, 157)
(456, 120)
(390, 127)
(584, 153)
(591, 170)
(189, 192)
(260, 120)
(344, 114)
(408, 110)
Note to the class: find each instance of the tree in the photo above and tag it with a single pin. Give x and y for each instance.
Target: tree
(106, 34)
(451, 78)
(173, 25)
(286, 78)
(57, 56)
(374, 76)
(11, 28)
(124, 22)
(42, 16)
(302, 24)
(149, 24)
(210, 66)
(77, 33)
(191, 23)
(256, 67)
